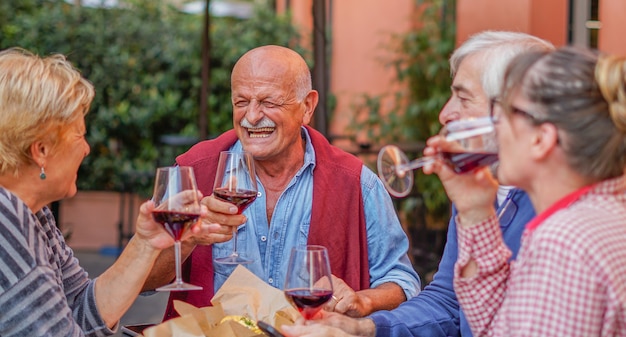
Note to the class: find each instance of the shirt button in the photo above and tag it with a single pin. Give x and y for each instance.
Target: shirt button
(276, 235)
(264, 238)
(259, 194)
(270, 280)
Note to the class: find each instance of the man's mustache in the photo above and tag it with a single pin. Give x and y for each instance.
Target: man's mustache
(264, 123)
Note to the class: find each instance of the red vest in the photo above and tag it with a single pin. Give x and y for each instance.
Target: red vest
(337, 216)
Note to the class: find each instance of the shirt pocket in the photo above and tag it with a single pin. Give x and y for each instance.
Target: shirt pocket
(303, 234)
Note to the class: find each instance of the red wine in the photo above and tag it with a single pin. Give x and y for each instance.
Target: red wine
(241, 198)
(175, 223)
(462, 162)
(308, 302)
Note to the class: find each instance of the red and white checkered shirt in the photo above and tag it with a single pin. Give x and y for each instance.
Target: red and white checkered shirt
(569, 278)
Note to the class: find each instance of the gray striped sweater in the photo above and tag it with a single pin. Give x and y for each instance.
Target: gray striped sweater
(43, 289)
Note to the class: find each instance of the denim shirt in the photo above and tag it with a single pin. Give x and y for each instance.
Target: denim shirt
(270, 244)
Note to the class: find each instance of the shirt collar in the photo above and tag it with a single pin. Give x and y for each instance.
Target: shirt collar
(309, 152)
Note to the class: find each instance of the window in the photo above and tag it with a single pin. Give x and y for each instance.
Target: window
(584, 23)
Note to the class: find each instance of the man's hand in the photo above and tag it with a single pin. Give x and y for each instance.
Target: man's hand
(345, 300)
(218, 220)
(473, 193)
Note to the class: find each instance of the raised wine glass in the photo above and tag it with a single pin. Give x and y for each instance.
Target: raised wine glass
(235, 182)
(472, 142)
(176, 208)
(308, 283)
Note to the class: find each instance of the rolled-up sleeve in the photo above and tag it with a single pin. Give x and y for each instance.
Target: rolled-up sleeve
(388, 244)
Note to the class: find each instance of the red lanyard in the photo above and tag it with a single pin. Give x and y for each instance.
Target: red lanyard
(563, 203)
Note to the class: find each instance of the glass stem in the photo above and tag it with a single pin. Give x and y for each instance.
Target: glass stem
(415, 164)
(234, 242)
(179, 278)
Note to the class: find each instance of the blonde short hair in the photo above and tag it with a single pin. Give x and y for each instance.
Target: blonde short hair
(39, 97)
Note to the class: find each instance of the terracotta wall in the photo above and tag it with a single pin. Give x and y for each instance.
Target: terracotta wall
(612, 37)
(92, 218)
(361, 31)
(545, 19)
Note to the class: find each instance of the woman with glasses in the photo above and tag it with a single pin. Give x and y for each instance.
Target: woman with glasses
(561, 124)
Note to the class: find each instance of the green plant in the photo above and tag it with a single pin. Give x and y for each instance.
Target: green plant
(422, 70)
(144, 61)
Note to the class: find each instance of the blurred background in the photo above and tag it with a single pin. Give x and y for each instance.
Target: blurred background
(161, 72)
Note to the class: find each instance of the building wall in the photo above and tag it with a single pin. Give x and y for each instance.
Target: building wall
(361, 31)
(612, 37)
(545, 19)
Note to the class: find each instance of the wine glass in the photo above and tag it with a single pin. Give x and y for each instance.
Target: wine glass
(308, 284)
(176, 208)
(472, 145)
(235, 182)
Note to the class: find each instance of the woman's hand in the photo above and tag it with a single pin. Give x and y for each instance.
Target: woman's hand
(313, 330)
(331, 324)
(153, 232)
(149, 230)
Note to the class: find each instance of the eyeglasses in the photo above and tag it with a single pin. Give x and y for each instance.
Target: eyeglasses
(496, 108)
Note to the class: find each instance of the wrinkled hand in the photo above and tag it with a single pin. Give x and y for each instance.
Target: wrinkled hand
(313, 330)
(345, 300)
(473, 193)
(326, 324)
(217, 223)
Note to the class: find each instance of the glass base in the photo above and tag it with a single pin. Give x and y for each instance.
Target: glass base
(179, 286)
(233, 259)
(398, 183)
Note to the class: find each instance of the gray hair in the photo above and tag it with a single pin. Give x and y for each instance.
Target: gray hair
(497, 49)
(583, 95)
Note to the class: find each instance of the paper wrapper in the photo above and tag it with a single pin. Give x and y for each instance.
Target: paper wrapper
(243, 294)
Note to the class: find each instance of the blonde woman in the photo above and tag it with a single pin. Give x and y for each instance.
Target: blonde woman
(43, 290)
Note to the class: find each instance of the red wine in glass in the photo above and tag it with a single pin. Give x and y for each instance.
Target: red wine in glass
(471, 143)
(308, 283)
(241, 198)
(462, 162)
(176, 208)
(235, 182)
(175, 223)
(308, 302)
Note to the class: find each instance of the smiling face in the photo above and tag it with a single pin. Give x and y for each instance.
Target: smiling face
(63, 161)
(468, 97)
(267, 112)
